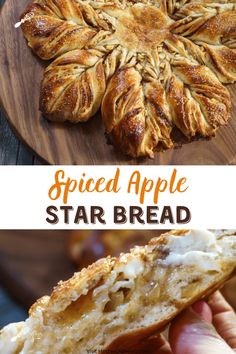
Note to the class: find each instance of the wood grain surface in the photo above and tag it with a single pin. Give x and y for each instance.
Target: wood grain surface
(12, 150)
(20, 76)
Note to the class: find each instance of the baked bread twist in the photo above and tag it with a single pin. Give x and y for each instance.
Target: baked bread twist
(152, 66)
(118, 302)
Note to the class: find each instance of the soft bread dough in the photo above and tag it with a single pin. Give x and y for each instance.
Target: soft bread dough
(117, 302)
(153, 67)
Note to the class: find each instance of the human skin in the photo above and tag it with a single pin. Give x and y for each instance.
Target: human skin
(206, 327)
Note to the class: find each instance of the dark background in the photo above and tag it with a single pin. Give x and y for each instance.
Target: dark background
(9, 310)
(12, 151)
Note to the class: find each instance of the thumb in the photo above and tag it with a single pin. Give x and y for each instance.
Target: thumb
(190, 334)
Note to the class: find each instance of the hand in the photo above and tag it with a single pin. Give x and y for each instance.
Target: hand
(203, 329)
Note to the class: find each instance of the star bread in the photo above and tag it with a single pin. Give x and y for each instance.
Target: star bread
(153, 67)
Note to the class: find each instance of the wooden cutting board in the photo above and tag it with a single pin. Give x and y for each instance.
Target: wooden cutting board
(20, 75)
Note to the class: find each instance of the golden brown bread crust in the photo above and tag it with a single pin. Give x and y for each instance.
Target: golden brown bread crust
(49, 31)
(154, 292)
(129, 340)
(81, 283)
(66, 97)
(148, 76)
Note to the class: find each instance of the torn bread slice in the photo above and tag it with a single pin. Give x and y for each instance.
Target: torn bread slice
(117, 302)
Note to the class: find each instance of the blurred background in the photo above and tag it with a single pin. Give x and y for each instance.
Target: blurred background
(32, 263)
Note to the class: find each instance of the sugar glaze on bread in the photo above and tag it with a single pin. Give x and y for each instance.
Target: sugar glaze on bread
(116, 302)
(153, 79)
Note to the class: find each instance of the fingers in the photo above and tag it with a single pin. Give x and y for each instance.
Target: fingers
(203, 310)
(224, 318)
(192, 331)
(189, 334)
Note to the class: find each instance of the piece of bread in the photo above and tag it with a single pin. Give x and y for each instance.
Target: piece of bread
(155, 80)
(117, 302)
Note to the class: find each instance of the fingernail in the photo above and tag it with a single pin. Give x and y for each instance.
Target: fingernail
(202, 309)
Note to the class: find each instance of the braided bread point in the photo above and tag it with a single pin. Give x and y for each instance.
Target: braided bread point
(136, 117)
(140, 117)
(118, 302)
(150, 77)
(73, 86)
(53, 30)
